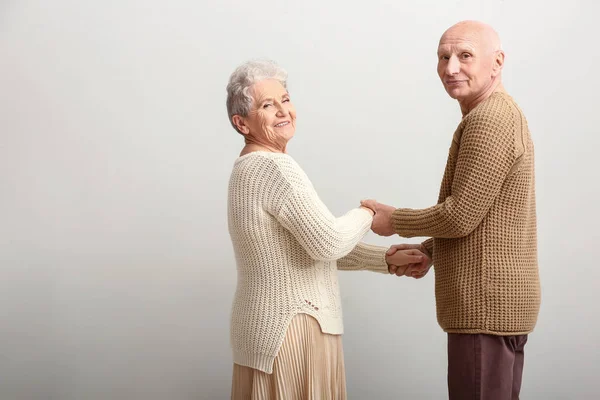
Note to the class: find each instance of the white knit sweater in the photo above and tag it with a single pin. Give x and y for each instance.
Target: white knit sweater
(288, 247)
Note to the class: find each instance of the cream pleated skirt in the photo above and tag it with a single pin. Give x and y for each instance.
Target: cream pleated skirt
(309, 366)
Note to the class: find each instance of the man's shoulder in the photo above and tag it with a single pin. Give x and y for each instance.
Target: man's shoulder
(499, 107)
(501, 116)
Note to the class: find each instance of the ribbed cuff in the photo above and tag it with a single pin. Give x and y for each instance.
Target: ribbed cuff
(410, 223)
(373, 257)
(428, 244)
(260, 362)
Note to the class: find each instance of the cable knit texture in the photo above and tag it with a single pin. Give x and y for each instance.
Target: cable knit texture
(288, 247)
(484, 231)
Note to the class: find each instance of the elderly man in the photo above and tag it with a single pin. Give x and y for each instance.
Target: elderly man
(483, 229)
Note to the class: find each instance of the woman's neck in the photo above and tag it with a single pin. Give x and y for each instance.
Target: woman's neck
(251, 147)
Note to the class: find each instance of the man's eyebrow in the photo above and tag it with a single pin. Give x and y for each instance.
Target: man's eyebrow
(467, 48)
(460, 48)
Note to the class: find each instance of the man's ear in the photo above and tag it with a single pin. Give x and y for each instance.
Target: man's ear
(240, 124)
(498, 63)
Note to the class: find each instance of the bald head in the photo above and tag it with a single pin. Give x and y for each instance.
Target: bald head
(478, 32)
(470, 62)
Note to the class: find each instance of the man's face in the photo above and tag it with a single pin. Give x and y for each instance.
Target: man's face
(466, 63)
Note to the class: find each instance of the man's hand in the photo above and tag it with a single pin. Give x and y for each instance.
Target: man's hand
(382, 220)
(399, 270)
(415, 270)
(399, 261)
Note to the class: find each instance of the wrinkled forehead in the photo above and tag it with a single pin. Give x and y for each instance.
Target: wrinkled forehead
(267, 88)
(476, 38)
(458, 47)
(460, 40)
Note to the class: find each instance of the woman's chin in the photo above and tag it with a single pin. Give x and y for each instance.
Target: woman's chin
(288, 134)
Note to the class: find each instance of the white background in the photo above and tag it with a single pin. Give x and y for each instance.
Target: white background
(116, 269)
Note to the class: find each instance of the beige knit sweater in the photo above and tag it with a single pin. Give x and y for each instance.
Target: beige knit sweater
(484, 242)
(288, 247)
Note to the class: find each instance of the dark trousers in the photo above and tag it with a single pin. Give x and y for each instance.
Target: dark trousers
(485, 367)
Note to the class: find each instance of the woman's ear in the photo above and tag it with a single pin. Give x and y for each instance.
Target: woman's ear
(240, 124)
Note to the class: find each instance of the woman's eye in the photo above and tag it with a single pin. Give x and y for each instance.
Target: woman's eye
(286, 100)
(267, 105)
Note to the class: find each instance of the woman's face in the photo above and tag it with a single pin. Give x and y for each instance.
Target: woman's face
(272, 119)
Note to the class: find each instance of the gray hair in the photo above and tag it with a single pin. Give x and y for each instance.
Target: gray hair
(239, 100)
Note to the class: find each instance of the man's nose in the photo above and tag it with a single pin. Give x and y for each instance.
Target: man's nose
(453, 66)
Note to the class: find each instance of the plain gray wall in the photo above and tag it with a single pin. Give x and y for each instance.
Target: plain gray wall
(117, 272)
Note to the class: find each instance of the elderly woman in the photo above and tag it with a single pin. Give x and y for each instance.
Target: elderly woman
(286, 321)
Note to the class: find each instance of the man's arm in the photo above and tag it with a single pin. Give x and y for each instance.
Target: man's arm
(428, 246)
(485, 158)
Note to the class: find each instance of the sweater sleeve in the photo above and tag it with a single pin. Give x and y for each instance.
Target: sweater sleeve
(365, 257)
(300, 210)
(485, 157)
(428, 244)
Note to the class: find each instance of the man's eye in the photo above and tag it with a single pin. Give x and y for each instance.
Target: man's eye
(466, 55)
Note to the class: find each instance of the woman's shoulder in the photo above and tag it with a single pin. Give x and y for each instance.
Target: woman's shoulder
(280, 161)
(262, 156)
(278, 166)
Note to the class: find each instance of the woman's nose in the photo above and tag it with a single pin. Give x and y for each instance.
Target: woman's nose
(282, 111)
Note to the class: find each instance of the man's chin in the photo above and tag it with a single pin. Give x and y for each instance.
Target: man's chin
(453, 93)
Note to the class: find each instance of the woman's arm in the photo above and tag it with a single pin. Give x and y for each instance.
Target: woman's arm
(365, 257)
(296, 205)
(380, 259)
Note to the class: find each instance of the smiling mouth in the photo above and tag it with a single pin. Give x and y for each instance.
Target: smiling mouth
(279, 125)
(453, 82)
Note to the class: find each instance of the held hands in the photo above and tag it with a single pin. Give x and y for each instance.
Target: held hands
(410, 260)
(368, 210)
(382, 220)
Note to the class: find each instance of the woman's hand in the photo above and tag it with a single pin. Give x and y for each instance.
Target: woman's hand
(409, 260)
(369, 210)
